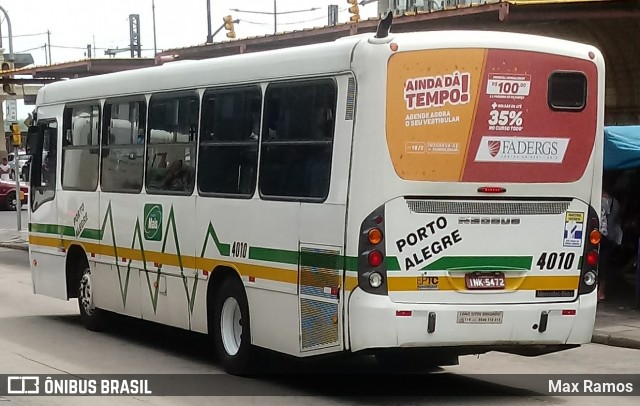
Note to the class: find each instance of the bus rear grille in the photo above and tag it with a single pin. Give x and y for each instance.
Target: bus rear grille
(489, 208)
(319, 281)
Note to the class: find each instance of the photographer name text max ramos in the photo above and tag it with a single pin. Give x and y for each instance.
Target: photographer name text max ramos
(589, 386)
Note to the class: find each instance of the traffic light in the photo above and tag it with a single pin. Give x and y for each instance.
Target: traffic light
(16, 135)
(8, 88)
(229, 26)
(354, 10)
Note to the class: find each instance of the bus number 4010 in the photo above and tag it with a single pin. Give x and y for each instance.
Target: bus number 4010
(554, 260)
(239, 249)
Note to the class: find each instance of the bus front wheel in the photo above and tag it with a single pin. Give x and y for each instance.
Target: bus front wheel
(92, 318)
(232, 332)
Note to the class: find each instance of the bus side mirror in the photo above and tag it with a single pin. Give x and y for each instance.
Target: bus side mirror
(32, 140)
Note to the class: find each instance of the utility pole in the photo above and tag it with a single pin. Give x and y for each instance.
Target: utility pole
(16, 147)
(49, 42)
(275, 13)
(209, 35)
(153, 13)
(275, 17)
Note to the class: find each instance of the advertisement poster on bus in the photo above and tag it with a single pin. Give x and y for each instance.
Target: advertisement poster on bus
(483, 115)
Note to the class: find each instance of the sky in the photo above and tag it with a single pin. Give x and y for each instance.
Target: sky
(73, 24)
(179, 23)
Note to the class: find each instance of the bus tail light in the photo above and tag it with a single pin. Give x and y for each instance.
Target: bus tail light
(375, 280)
(372, 269)
(375, 258)
(375, 236)
(589, 278)
(590, 258)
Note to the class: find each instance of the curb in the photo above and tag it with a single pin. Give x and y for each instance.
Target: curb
(15, 246)
(608, 339)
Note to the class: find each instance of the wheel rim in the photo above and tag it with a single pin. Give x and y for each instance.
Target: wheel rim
(12, 203)
(231, 326)
(86, 298)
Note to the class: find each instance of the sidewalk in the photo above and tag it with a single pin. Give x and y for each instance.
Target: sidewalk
(617, 320)
(618, 324)
(14, 239)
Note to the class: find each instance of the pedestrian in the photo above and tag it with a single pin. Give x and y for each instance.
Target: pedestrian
(611, 239)
(5, 170)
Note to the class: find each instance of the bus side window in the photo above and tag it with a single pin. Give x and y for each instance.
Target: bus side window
(80, 150)
(171, 151)
(296, 155)
(123, 145)
(229, 141)
(43, 170)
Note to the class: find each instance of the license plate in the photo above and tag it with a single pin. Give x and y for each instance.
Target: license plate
(479, 281)
(479, 317)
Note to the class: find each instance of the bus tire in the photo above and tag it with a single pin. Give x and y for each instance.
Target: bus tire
(231, 328)
(92, 318)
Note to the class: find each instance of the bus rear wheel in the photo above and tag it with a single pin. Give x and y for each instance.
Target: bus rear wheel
(231, 329)
(92, 318)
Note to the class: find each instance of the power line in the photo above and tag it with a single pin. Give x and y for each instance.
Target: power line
(271, 12)
(26, 35)
(289, 23)
(70, 47)
(254, 22)
(293, 22)
(305, 21)
(31, 49)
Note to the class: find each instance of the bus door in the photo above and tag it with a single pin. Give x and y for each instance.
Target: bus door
(79, 217)
(323, 216)
(45, 244)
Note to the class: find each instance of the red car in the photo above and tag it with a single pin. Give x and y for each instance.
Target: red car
(8, 195)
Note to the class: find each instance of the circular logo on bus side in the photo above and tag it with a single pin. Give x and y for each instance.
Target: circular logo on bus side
(153, 222)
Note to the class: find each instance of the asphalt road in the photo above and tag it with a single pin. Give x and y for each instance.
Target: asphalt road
(8, 220)
(40, 335)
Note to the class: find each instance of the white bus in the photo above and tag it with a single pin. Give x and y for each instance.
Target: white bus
(414, 196)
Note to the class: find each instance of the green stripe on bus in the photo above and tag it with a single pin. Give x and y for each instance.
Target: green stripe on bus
(67, 230)
(480, 264)
(351, 264)
(88, 233)
(393, 264)
(91, 234)
(321, 260)
(580, 263)
(273, 255)
(44, 228)
(223, 248)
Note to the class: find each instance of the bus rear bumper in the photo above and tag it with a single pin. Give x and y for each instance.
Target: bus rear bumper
(377, 322)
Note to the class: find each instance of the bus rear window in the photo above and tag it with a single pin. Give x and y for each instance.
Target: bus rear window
(567, 91)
